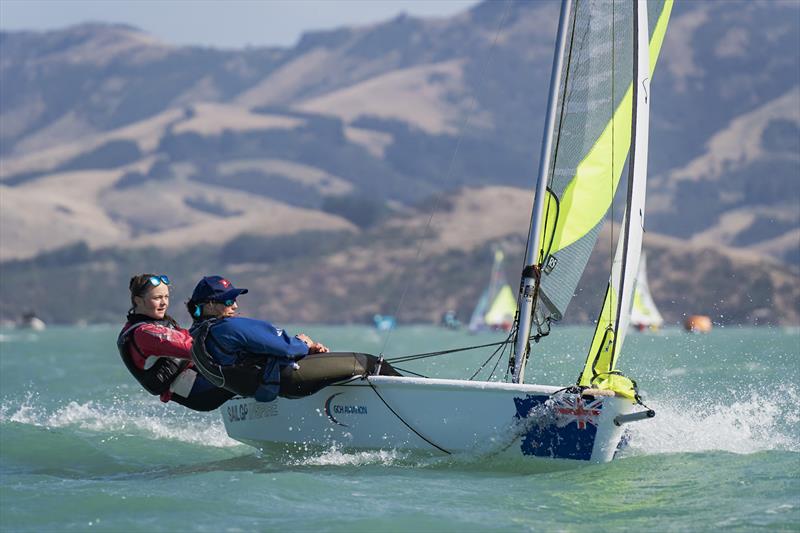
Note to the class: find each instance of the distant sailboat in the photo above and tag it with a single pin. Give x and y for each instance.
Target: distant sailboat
(498, 305)
(31, 321)
(644, 313)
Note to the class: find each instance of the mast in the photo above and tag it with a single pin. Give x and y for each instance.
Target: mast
(529, 274)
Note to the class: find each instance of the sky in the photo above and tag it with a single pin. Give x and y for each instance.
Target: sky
(220, 23)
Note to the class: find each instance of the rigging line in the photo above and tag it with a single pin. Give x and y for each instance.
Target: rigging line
(611, 181)
(407, 371)
(512, 354)
(566, 96)
(494, 369)
(513, 334)
(437, 203)
(400, 418)
(499, 350)
(414, 357)
(402, 358)
(499, 353)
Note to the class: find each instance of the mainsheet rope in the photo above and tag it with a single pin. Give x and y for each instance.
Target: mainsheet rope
(497, 352)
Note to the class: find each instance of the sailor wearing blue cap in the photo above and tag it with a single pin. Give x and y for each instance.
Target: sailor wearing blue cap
(244, 355)
(257, 359)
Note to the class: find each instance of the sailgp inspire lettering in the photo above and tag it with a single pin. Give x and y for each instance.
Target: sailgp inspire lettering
(237, 413)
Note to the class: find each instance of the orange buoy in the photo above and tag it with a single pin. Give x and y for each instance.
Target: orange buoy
(697, 324)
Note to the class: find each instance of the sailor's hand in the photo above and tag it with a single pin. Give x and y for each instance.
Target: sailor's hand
(318, 347)
(313, 347)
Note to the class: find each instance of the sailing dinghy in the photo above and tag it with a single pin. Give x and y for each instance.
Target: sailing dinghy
(497, 305)
(644, 313)
(597, 118)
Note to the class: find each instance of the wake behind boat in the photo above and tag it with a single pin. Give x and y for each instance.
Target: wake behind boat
(597, 118)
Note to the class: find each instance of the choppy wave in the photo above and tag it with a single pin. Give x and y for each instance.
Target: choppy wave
(120, 416)
(742, 421)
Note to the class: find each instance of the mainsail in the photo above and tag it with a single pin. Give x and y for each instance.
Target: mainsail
(599, 114)
(644, 313)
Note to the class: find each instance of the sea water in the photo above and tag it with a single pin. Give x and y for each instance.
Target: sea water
(84, 448)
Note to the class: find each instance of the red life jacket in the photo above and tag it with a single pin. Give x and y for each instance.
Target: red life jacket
(156, 379)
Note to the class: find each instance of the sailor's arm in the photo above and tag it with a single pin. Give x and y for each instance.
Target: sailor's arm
(260, 337)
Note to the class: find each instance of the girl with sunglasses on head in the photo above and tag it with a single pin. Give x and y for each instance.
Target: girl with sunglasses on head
(157, 351)
(254, 358)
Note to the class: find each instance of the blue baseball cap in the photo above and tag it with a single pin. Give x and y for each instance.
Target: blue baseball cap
(215, 289)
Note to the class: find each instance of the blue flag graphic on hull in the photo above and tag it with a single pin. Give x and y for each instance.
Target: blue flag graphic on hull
(560, 427)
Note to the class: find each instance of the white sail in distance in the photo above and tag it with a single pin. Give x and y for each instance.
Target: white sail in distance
(644, 313)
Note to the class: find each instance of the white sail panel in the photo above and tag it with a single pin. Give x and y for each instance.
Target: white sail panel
(644, 312)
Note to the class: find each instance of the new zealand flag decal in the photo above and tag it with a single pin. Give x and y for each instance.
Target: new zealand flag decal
(560, 427)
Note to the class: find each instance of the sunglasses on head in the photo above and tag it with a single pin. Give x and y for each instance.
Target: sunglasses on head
(155, 281)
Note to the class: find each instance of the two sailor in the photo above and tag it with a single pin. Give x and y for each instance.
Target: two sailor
(223, 354)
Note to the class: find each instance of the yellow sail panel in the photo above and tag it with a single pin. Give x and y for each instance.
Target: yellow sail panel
(587, 198)
(638, 304)
(601, 354)
(600, 372)
(503, 308)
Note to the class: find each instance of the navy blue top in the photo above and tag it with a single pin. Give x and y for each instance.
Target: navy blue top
(237, 339)
(240, 336)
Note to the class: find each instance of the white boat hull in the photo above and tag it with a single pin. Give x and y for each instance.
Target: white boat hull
(437, 415)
